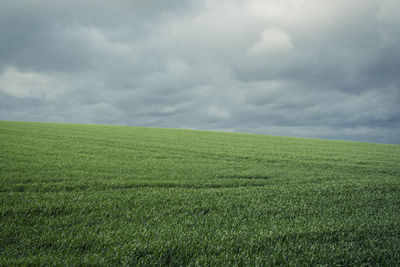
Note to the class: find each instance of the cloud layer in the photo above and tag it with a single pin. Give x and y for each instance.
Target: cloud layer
(307, 68)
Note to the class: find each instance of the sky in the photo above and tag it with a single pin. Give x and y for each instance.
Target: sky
(304, 68)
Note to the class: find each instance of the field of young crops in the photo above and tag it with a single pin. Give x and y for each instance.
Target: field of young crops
(109, 195)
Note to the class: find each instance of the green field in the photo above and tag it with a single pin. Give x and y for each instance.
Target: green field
(109, 195)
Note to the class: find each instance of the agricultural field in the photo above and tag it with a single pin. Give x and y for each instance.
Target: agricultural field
(112, 195)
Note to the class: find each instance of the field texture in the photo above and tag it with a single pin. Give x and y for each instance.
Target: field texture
(110, 195)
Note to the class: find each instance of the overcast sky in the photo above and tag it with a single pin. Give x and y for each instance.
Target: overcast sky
(305, 68)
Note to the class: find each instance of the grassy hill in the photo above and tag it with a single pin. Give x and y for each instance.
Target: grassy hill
(108, 195)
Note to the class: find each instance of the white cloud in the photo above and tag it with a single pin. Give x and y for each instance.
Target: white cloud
(272, 41)
(217, 113)
(31, 85)
(390, 12)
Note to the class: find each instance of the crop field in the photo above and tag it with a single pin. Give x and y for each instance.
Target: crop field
(112, 195)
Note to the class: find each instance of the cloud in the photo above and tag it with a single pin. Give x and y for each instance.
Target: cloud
(31, 85)
(273, 42)
(327, 69)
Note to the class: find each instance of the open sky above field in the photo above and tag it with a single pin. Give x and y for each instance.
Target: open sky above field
(306, 68)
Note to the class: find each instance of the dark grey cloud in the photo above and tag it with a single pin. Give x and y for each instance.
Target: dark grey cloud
(324, 69)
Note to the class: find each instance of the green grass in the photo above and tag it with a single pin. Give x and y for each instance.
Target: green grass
(110, 195)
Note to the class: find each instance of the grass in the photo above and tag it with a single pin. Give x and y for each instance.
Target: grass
(111, 195)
